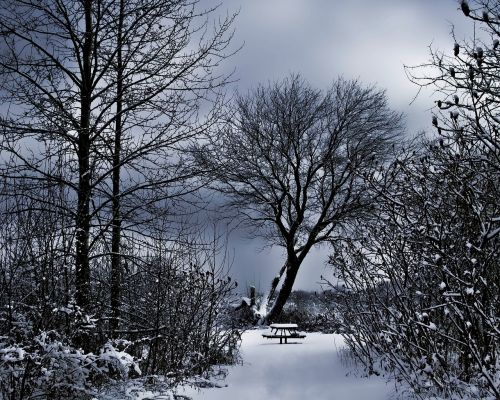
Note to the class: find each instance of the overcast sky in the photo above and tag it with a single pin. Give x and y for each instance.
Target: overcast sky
(321, 39)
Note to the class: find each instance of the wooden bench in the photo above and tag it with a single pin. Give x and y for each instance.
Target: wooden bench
(284, 331)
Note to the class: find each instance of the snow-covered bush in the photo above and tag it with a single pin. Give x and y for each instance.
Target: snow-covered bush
(424, 274)
(175, 311)
(173, 303)
(46, 366)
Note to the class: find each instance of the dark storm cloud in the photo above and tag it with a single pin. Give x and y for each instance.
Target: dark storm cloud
(321, 39)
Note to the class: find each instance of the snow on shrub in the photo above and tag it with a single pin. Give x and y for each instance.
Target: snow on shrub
(425, 269)
(118, 361)
(48, 367)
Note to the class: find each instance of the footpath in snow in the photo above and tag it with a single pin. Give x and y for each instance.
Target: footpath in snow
(311, 368)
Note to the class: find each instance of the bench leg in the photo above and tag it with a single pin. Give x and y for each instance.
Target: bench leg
(281, 340)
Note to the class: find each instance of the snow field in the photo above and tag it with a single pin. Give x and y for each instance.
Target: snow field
(310, 368)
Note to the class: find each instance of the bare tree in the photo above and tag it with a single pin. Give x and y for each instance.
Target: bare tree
(467, 80)
(292, 160)
(115, 86)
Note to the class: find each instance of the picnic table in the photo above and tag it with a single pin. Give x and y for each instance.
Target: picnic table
(284, 331)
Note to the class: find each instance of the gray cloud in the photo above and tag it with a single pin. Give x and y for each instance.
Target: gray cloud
(322, 39)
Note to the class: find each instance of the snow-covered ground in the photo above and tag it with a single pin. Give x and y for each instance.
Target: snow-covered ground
(311, 368)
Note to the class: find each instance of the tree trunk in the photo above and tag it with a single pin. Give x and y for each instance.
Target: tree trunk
(291, 273)
(116, 270)
(275, 282)
(82, 264)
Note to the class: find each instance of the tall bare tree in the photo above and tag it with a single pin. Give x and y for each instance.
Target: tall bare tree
(292, 160)
(117, 85)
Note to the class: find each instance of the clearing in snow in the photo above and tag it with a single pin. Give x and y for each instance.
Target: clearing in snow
(309, 369)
